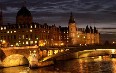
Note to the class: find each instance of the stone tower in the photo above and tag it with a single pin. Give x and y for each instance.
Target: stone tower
(72, 30)
(1, 17)
(24, 16)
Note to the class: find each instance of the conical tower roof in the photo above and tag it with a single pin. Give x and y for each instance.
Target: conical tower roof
(24, 12)
(71, 20)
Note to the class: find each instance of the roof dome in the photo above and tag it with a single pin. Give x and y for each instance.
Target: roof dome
(24, 12)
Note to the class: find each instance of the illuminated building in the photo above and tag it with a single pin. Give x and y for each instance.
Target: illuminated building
(72, 35)
(83, 36)
(26, 33)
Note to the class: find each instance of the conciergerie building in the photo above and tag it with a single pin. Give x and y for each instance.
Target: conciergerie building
(25, 32)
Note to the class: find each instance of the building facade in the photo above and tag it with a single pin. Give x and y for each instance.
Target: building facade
(83, 36)
(27, 33)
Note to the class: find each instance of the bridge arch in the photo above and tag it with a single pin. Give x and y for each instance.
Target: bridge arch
(15, 60)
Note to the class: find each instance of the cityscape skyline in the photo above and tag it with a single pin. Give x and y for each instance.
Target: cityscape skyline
(86, 12)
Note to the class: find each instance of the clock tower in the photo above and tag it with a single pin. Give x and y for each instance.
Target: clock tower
(72, 30)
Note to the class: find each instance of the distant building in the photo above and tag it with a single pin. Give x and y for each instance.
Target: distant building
(83, 36)
(72, 35)
(26, 33)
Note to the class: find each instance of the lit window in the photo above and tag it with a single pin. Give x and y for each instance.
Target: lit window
(37, 38)
(35, 26)
(23, 43)
(23, 36)
(11, 31)
(31, 26)
(30, 30)
(7, 31)
(113, 42)
(27, 42)
(14, 31)
(4, 27)
(48, 31)
(31, 42)
(1, 28)
(35, 41)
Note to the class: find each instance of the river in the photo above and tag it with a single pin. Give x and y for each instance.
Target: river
(70, 66)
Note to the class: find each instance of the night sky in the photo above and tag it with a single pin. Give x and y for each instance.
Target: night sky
(99, 13)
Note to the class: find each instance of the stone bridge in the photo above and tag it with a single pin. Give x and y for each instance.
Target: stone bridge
(82, 51)
(12, 55)
(58, 53)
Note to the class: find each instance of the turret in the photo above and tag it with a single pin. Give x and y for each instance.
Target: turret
(71, 20)
(95, 30)
(24, 16)
(91, 29)
(87, 30)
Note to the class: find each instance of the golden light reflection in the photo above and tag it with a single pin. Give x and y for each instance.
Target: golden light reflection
(113, 51)
(62, 44)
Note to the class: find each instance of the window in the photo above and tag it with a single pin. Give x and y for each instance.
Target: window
(23, 36)
(5, 27)
(31, 26)
(14, 31)
(7, 31)
(31, 42)
(30, 30)
(11, 31)
(35, 26)
(27, 42)
(14, 36)
(1, 28)
(26, 36)
(35, 41)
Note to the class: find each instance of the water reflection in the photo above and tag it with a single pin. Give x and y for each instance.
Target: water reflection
(71, 66)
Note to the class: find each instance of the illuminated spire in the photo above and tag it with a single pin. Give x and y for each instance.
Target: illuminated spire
(71, 20)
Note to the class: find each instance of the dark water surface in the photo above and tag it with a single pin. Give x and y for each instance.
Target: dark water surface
(70, 66)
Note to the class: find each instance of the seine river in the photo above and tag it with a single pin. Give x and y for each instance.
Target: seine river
(105, 65)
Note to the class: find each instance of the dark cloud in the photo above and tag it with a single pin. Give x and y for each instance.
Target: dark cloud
(99, 12)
